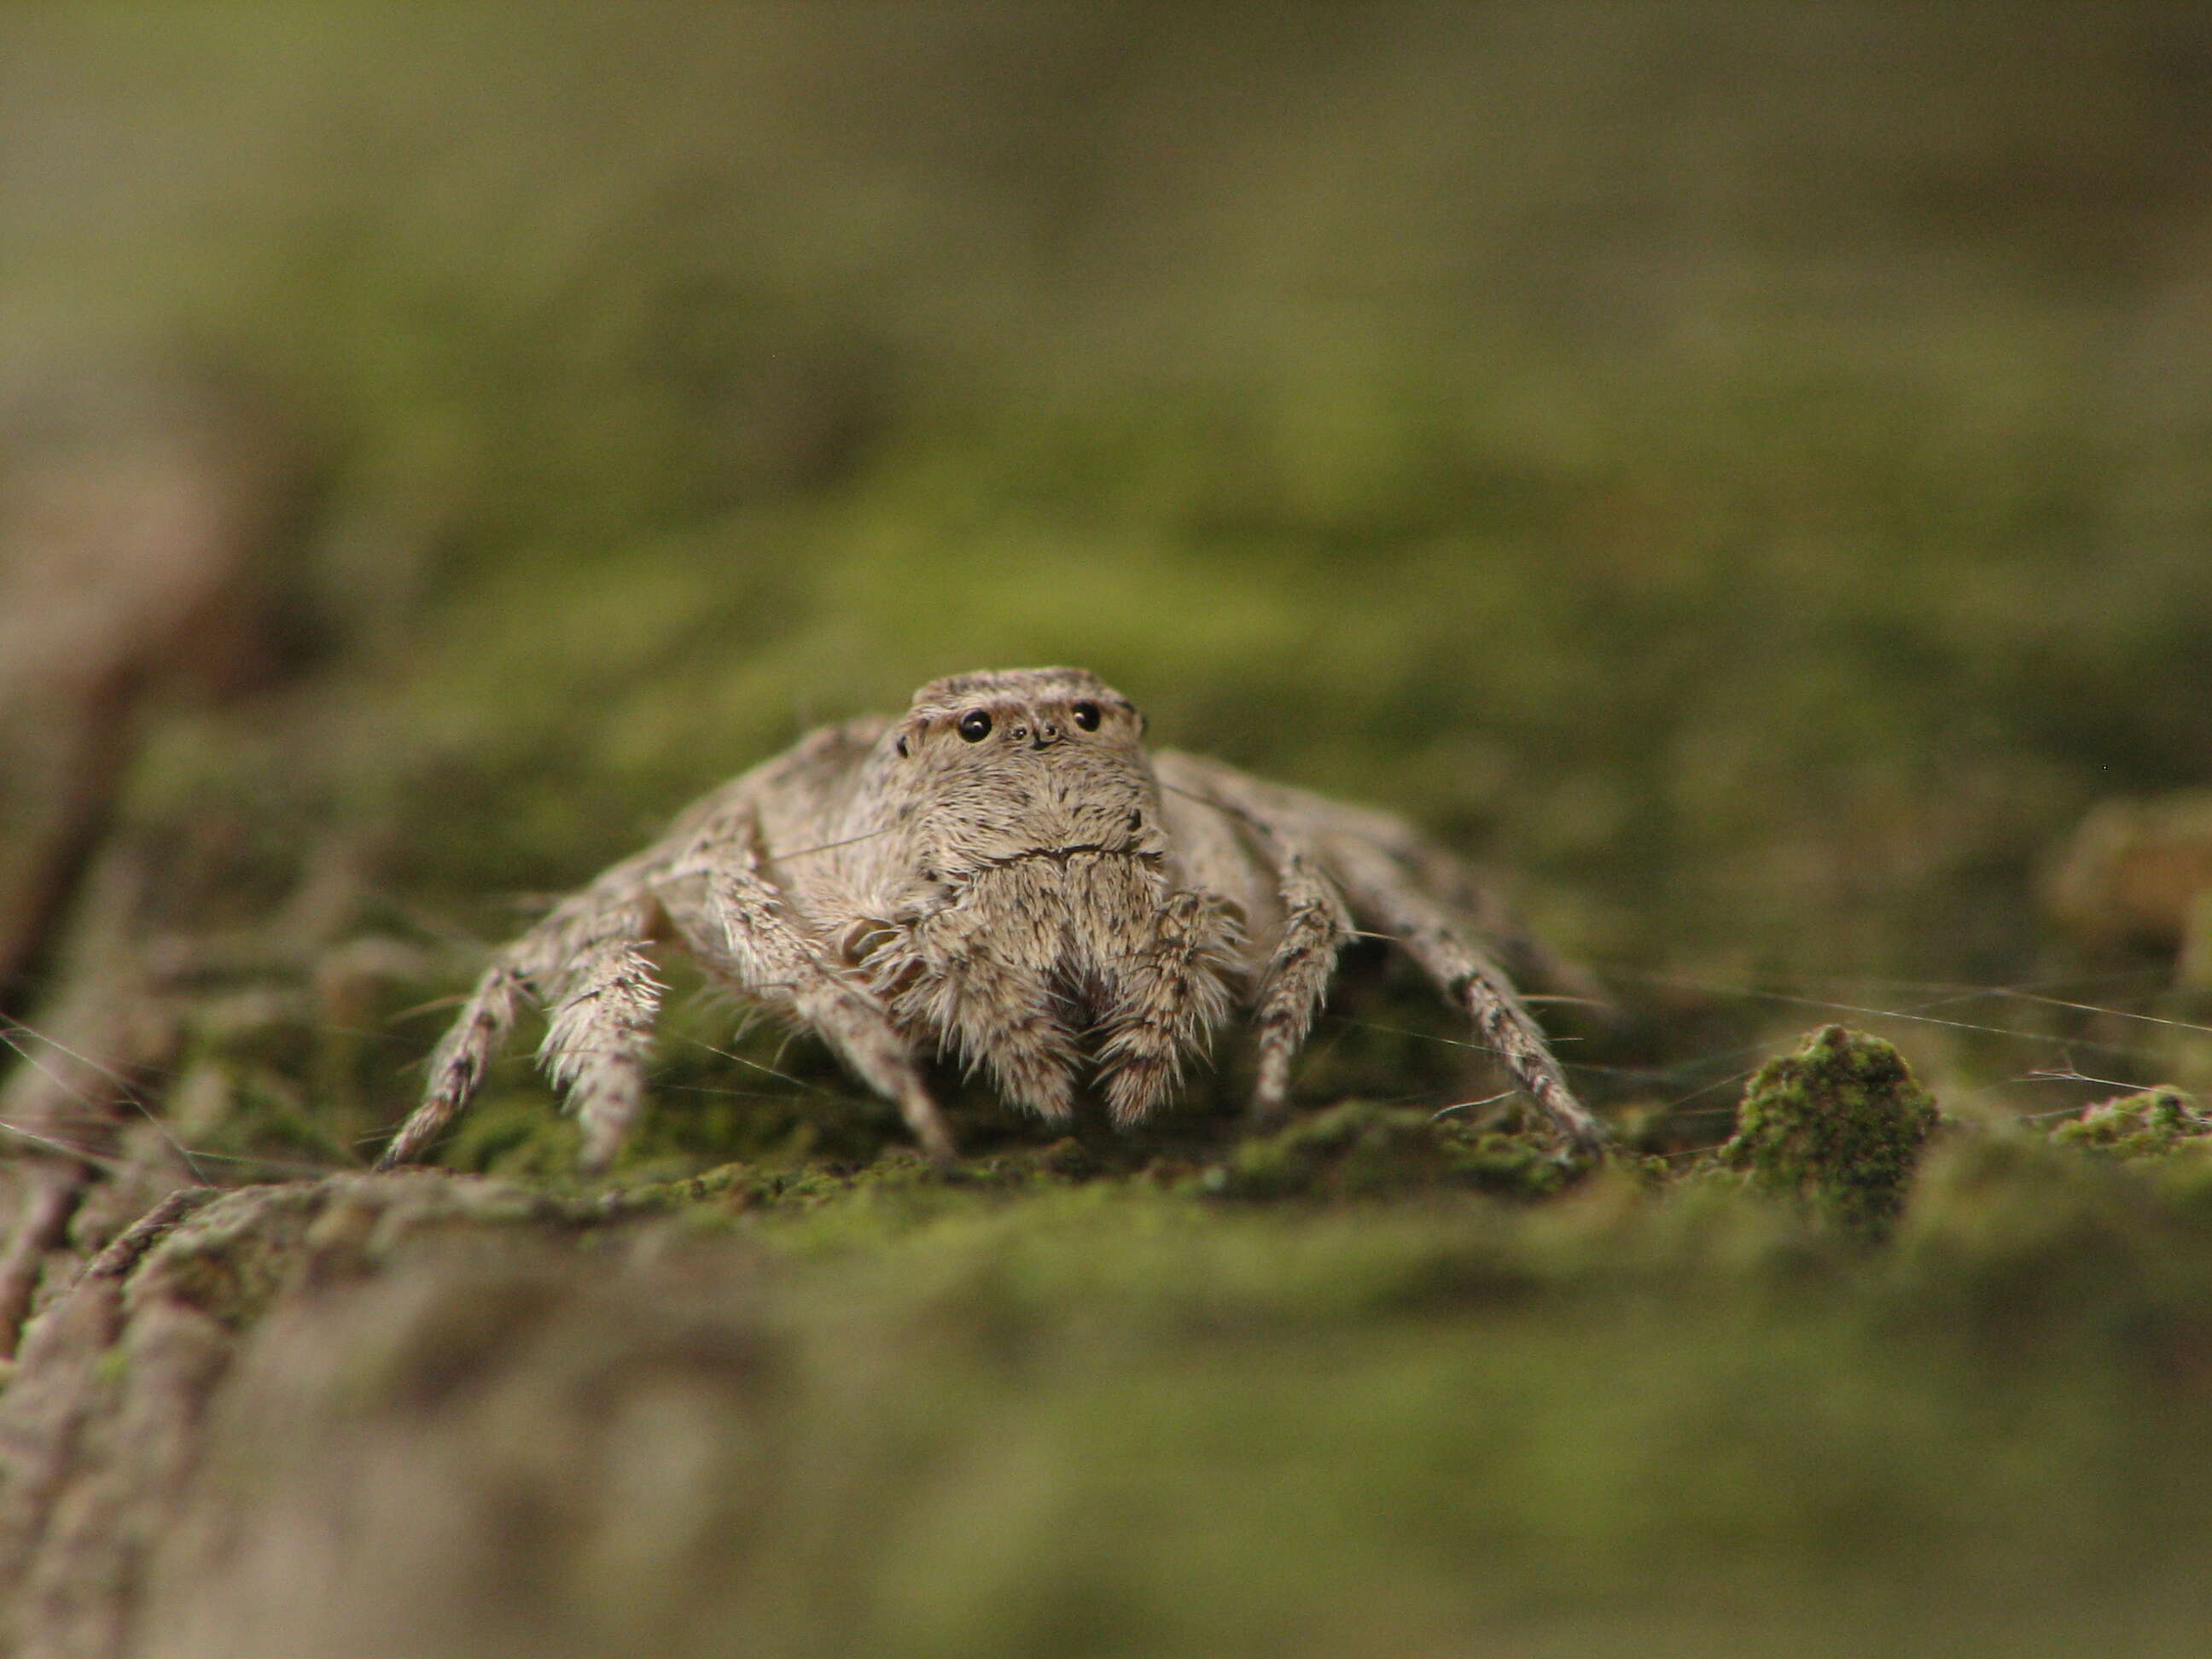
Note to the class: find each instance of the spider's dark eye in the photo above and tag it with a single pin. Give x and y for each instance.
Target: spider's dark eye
(1086, 716)
(975, 725)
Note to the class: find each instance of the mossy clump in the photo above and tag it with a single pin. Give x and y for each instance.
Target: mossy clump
(2149, 1124)
(1837, 1126)
(1361, 1149)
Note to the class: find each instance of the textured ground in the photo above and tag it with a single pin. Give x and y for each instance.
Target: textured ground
(1377, 1384)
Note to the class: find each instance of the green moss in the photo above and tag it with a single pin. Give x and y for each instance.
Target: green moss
(516, 1134)
(2153, 1123)
(1058, 1416)
(1837, 1126)
(896, 1192)
(1048, 1403)
(1361, 1149)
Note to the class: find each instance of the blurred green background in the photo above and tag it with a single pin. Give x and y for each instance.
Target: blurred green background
(1740, 471)
(1751, 463)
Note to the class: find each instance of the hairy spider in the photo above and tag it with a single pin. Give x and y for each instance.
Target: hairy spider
(1007, 873)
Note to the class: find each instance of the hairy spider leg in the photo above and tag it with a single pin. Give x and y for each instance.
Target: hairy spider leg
(741, 931)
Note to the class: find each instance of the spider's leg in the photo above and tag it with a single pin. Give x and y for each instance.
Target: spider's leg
(1373, 858)
(457, 1065)
(1172, 993)
(598, 1033)
(1451, 951)
(1316, 926)
(586, 959)
(1525, 957)
(741, 930)
(1315, 922)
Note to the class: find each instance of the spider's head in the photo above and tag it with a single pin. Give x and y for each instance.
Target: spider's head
(999, 767)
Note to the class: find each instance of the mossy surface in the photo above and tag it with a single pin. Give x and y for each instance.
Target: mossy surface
(1043, 1408)
(1837, 1126)
(1358, 1149)
(1377, 1382)
(2151, 1123)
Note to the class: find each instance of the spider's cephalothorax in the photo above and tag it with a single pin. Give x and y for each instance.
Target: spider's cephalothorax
(1022, 907)
(1005, 872)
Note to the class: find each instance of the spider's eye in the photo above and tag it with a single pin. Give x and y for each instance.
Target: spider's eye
(975, 725)
(1086, 716)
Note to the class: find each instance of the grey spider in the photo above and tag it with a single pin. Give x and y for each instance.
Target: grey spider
(1004, 872)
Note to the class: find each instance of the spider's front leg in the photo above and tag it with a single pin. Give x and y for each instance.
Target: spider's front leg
(737, 923)
(1319, 847)
(458, 1063)
(587, 961)
(1452, 954)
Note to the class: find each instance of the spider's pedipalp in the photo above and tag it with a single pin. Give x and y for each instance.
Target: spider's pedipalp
(949, 972)
(1173, 991)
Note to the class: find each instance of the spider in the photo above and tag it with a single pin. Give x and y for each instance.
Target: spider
(1005, 872)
